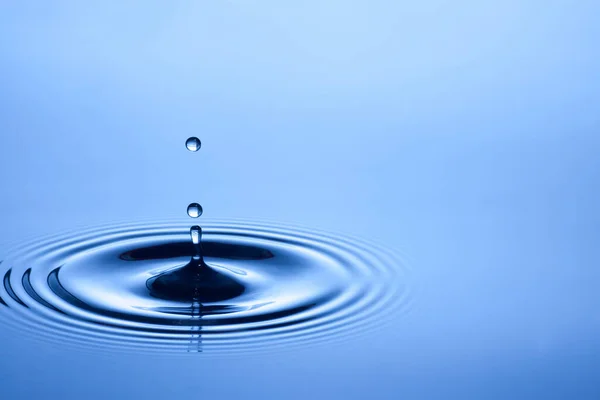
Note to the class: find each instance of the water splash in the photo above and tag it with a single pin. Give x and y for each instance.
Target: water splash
(251, 287)
(230, 286)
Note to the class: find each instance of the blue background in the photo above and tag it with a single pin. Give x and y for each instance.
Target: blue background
(463, 133)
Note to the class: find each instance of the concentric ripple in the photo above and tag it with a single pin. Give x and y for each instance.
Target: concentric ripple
(125, 287)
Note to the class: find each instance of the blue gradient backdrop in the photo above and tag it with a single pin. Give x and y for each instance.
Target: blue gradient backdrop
(463, 133)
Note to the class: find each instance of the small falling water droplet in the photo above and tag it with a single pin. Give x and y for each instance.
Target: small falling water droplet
(194, 210)
(193, 144)
(196, 234)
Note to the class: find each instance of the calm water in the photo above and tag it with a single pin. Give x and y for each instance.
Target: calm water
(428, 174)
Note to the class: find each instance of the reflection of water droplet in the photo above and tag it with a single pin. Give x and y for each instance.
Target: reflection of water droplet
(194, 210)
(193, 144)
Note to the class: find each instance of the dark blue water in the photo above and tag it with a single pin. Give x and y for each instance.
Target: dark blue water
(428, 173)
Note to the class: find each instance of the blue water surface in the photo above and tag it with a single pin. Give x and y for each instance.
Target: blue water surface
(464, 134)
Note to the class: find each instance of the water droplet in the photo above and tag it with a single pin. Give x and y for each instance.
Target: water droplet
(196, 234)
(193, 144)
(194, 210)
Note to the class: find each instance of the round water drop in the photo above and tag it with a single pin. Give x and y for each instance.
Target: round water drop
(194, 210)
(193, 144)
